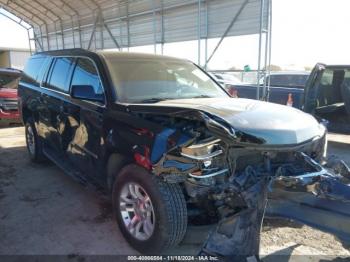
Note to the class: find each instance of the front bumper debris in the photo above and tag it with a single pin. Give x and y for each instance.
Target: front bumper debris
(319, 198)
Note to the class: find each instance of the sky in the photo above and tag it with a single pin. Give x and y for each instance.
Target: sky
(304, 32)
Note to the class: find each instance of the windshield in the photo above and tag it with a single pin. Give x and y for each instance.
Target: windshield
(153, 80)
(9, 80)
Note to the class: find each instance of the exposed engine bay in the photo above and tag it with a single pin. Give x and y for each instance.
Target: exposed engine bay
(233, 178)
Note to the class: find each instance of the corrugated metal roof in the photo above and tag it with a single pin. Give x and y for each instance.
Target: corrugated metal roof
(61, 24)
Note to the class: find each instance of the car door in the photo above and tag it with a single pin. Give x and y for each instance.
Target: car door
(311, 90)
(84, 131)
(55, 94)
(32, 78)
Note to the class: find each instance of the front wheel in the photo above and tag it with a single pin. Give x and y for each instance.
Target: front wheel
(151, 213)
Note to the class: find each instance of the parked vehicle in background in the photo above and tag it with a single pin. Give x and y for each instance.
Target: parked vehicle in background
(228, 81)
(291, 79)
(9, 79)
(286, 88)
(327, 95)
(172, 147)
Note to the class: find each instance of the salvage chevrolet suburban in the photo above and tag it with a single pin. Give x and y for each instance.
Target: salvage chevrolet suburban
(172, 147)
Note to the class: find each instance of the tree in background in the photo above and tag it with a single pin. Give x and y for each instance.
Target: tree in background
(273, 68)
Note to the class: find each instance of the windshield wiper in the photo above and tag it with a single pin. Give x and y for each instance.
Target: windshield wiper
(202, 96)
(154, 100)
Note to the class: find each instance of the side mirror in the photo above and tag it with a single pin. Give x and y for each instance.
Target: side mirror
(86, 92)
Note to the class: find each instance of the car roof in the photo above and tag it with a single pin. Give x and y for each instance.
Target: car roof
(289, 73)
(137, 56)
(12, 71)
(338, 66)
(106, 54)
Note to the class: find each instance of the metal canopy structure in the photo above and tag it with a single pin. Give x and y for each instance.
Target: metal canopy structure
(106, 24)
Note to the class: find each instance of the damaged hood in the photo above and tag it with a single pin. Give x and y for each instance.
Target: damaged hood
(273, 124)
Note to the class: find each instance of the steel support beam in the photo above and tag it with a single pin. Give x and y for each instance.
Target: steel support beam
(13, 20)
(65, 3)
(262, 2)
(206, 33)
(58, 18)
(20, 24)
(267, 42)
(93, 31)
(128, 23)
(111, 35)
(227, 30)
(37, 41)
(162, 25)
(120, 27)
(33, 16)
(154, 27)
(199, 32)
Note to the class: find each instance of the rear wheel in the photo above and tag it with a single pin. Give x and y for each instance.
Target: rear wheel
(33, 142)
(151, 214)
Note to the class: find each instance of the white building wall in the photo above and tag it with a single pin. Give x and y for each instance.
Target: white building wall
(18, 59)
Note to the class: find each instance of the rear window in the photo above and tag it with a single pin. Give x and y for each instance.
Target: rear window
(32, 69)
(296, 81)
(60, 73)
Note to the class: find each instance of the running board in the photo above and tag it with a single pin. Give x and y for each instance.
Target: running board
(62, 163)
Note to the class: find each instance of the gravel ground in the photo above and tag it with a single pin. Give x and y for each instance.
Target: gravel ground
(43, 211)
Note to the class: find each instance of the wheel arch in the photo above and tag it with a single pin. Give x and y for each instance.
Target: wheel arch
(114, 163)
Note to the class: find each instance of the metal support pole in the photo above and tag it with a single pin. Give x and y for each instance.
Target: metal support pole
(36, 39)
(127, 23)
(162, 26)
(73, 34)
(56, 34)
(120, 27)
(199, 32)
(102, 24)
(30, 45)
(259, 54)
(111, 35)
(227, 30)
(93, 31)
(154, 28)
(62, 36)
(267, 33)
(270, 44)
(206, 33)
(47, 37)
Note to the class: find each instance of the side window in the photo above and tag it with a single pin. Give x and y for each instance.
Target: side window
(327, 77)
(85, 74)
(60, 74)
(32, 69)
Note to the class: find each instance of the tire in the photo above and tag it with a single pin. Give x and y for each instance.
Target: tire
(167, 202)
(34, 145)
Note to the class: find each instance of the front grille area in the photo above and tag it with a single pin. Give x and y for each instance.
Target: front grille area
(9, 104)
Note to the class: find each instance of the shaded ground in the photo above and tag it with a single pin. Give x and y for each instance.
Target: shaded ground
(42, 211)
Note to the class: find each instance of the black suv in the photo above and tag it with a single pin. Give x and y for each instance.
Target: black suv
(172, 148)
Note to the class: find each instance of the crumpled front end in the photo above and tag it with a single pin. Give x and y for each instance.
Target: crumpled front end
(231, 177)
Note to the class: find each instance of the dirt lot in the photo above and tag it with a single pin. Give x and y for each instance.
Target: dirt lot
(42, 211)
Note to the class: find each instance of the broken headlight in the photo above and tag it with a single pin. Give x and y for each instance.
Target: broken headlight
(205, 152)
